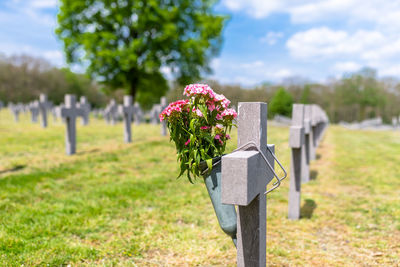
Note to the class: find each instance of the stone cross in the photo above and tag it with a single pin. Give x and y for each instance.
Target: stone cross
(44, 105)
(305, 168)
(69, 112)
(155, 110)
(127, 111)
(163, 105)
(138, 114)
(85, 106)
(34, 109)
(296, 142)
(245, 176)
(111, 111)
(15, 110)
(314, 122)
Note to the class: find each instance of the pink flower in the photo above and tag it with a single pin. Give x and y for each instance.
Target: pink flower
(229, 112)
(227, 137)
(218, 137)
(173, 108)
(211, 106)
(218, 117)
(219, 126)
(198, 89)
(187, 142)
(205, 127)
(199, 113)
(222, 99)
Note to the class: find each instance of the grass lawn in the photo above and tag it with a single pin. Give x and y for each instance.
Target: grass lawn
(116, 204)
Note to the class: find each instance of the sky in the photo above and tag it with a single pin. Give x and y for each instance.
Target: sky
(264, 40)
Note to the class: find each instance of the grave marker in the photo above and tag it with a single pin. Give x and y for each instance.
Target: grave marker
(44, 105)
(15, 110)
(85, 106)
(305, 177)
(296, 142)
(69, 112)
(163, 105)
(127, 110)
(138, 114)
(34, 109)
(245, 176)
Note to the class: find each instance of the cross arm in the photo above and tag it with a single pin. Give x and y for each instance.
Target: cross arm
(245, 175)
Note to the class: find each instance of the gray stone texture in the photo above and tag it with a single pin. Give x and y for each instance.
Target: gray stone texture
(127, 111)
(69, 112)
(297, 159)
(244, 180)
(86, 107)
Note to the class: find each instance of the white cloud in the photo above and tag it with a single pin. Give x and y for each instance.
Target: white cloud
(348, 66)
(271, 37)
(255, 8)
(323, 42)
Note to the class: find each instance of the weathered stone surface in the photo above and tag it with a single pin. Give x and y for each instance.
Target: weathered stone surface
(297, 160)
(86, 107)
(127, 111)
(69, 112)
(244, 180)
(163, 105)
(44, 106)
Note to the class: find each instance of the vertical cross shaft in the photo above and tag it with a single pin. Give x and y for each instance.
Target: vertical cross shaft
(296, 142)
(251, 244)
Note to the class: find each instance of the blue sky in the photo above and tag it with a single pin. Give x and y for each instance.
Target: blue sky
(265, 40)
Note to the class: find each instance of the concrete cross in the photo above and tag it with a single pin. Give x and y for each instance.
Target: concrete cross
(44, 105)
(111, 112)
(127, 111)
(305, 168)
(296, 142)
(155, 110)
(34, 109)
(85, 106)
(245, 176)
(69, 112)
(138, 114)
(314, 123)
(15, 110)
(163, 105)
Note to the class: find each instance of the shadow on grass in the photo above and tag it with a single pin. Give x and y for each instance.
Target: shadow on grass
(318, 156)
(307, 209)
(313, 175)
(14, 169)
(94, 150)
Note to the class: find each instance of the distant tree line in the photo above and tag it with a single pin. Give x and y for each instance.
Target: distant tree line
(354, 97)
(23, 78)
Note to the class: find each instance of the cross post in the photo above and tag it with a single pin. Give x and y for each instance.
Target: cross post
(305, 177)
(127, 110)
(85, 106)
(69, 112)
(163, 105)
(296, 142)
(245, 176)
(44, 105)
(138, 113)
(34, 109)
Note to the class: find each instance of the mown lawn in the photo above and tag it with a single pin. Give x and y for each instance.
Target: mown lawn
(117, 204)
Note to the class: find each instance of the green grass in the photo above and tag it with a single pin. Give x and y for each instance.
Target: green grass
(116, 204)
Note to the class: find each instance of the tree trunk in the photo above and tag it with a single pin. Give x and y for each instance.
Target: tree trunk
(134, 82)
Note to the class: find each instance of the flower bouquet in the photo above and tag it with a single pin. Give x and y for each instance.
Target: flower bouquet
(199, 127)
